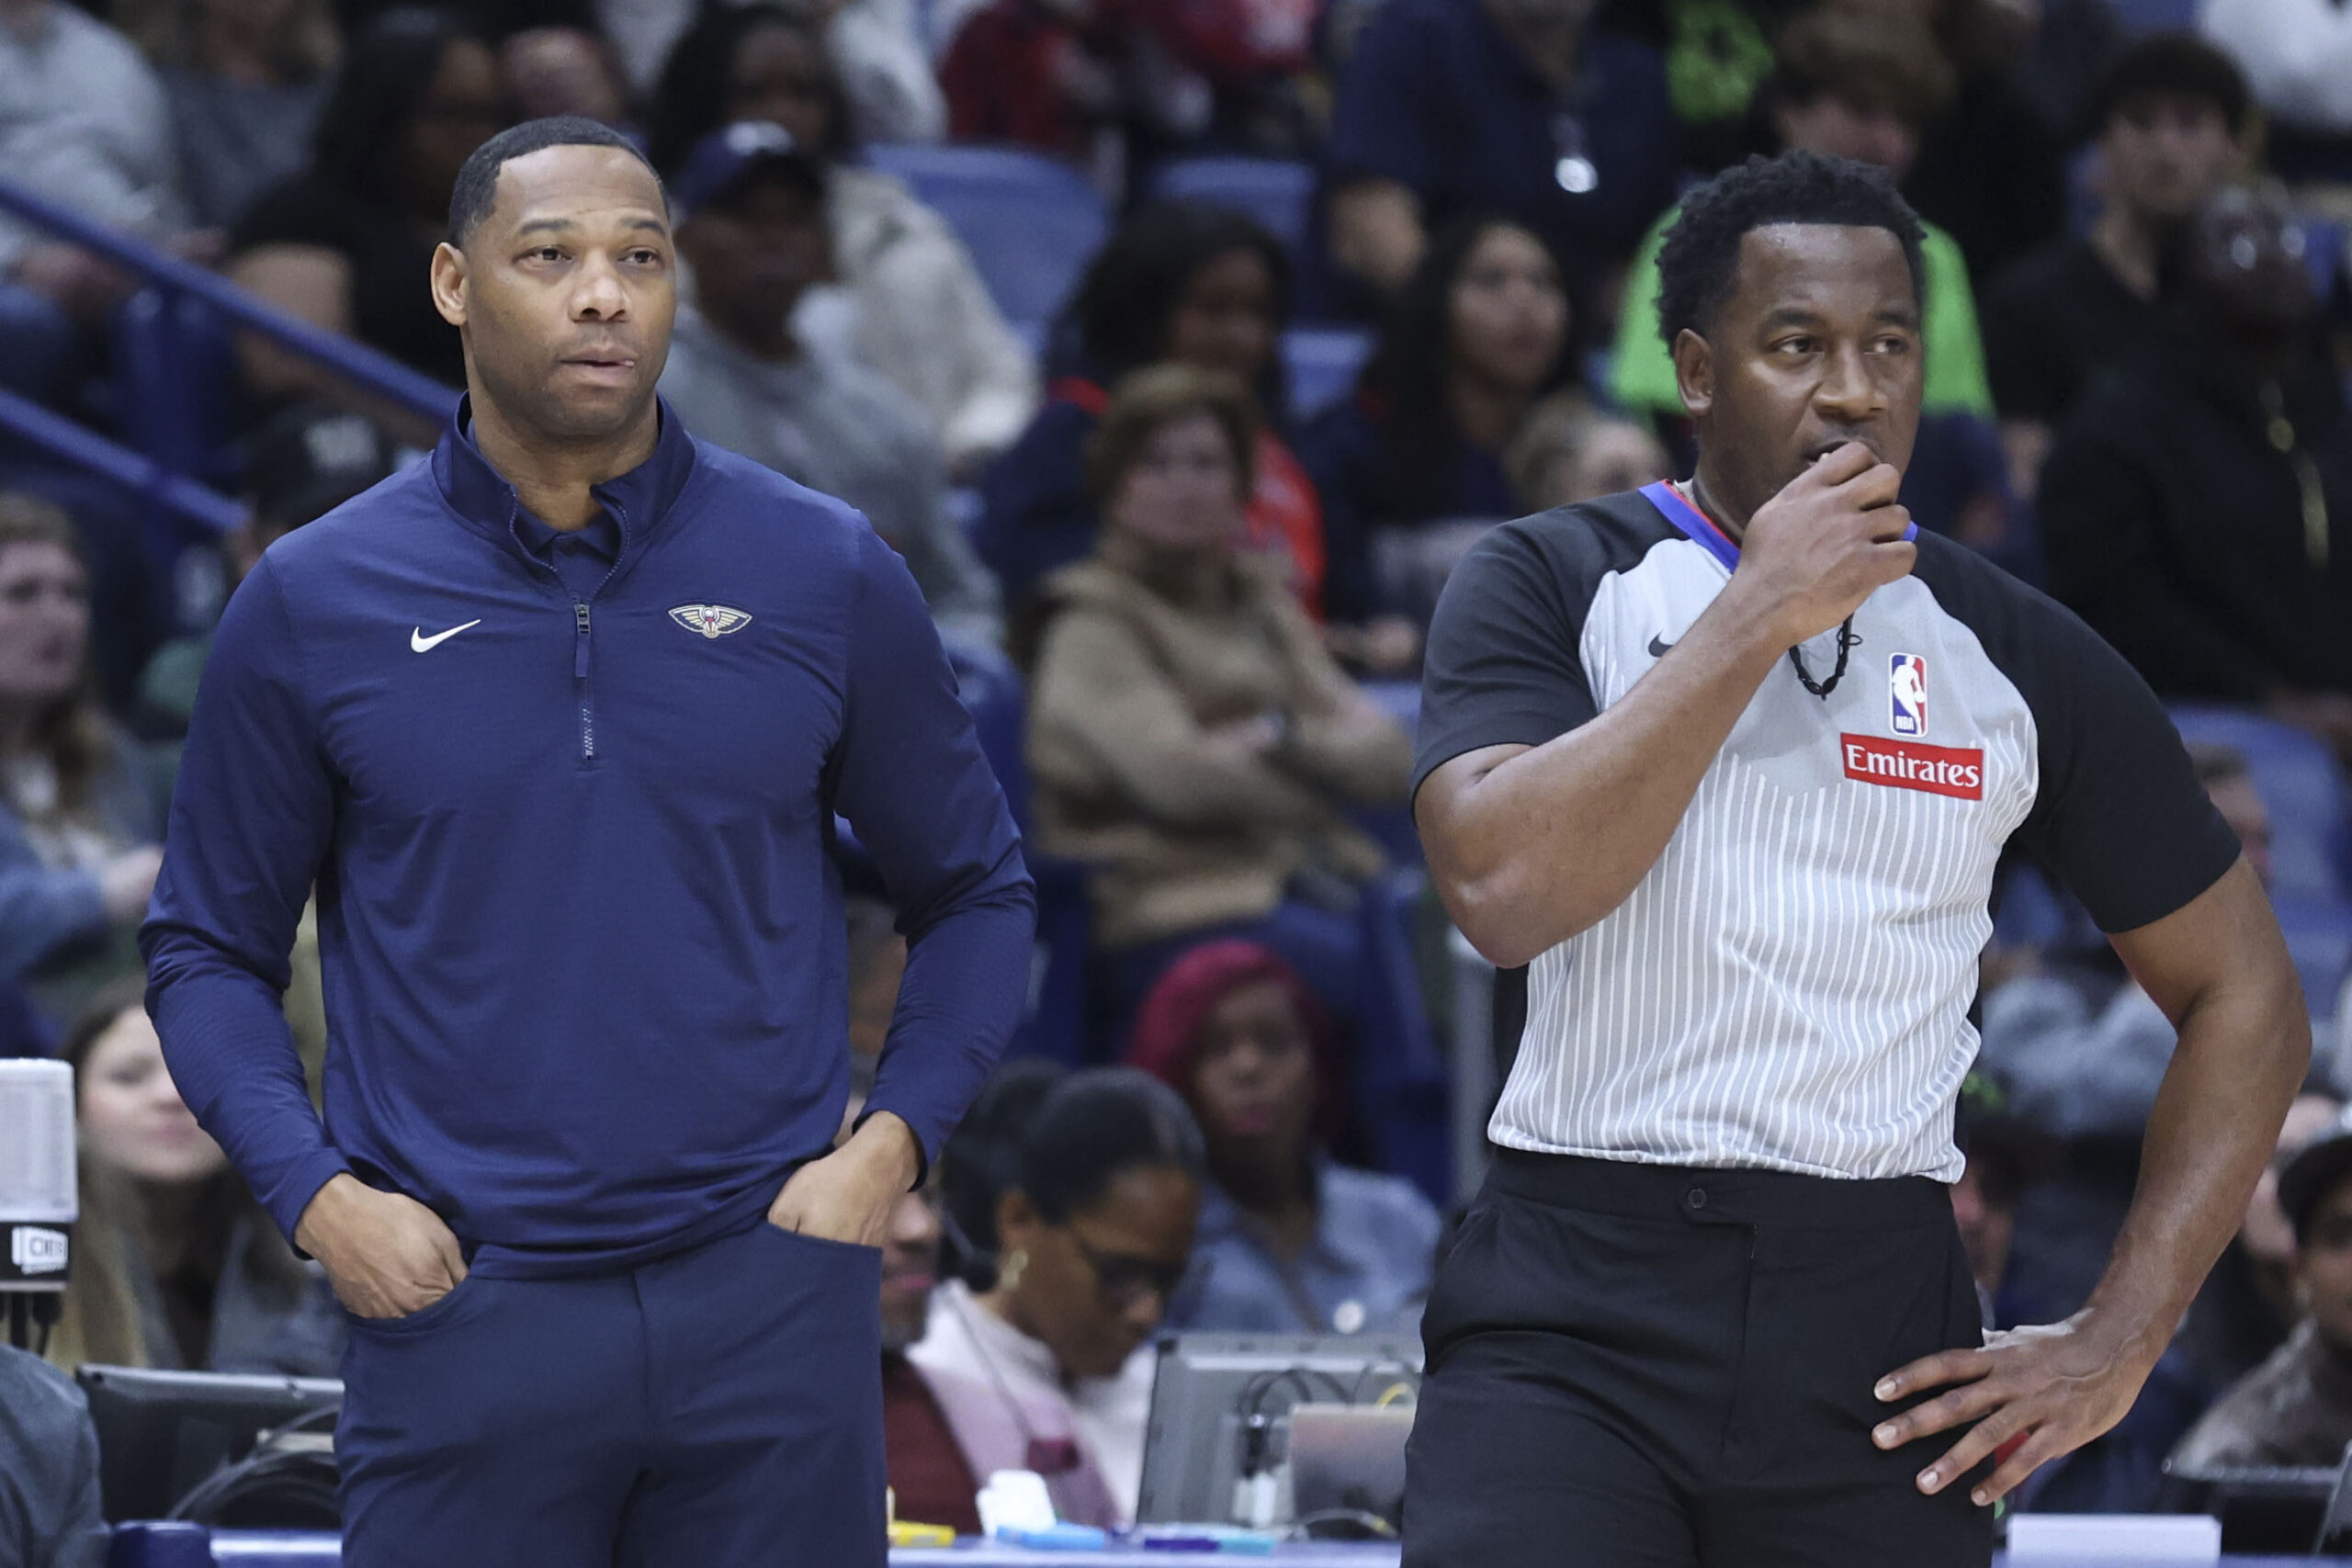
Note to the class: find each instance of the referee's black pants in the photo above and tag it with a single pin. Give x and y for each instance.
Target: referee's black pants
(1638, 1366)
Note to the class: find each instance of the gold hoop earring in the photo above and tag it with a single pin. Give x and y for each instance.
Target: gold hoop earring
(1009, 1272)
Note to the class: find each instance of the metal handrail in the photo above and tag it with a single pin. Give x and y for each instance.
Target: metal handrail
(365, 366)
(85, 448)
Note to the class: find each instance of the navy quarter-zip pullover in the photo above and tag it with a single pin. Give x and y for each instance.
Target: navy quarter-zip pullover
(568, 823)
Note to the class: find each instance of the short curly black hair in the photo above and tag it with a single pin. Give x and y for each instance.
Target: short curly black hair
(1697, 266)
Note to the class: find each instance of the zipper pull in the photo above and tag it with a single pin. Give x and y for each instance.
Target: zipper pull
(579, 642)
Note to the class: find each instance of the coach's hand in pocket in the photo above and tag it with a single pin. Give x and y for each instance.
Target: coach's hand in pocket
(2034, 1394)
(385, 1254)
(850, 1193)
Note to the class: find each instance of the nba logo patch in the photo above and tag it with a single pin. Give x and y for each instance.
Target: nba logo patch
(1907, 694)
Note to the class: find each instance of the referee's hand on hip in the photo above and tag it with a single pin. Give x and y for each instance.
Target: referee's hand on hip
(2056, 1385)
(2218, 968)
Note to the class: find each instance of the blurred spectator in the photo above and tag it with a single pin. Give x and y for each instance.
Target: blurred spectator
(889, 91)
(245, 80)
(2069, 47)
(2081, 1050)
(1568, 451)
(2296, 1409)
(1451, 107)
(343, 244)
(1991, 169)
(893, 93)
(930, 1480)
(49, 1468)
(1050, 76)
(1116, 83)
(176, 1266)
(909, 305)
(1189, 737)
(751, 228)
(79, 817)
(1411, 468)
(2198, 513)
(1718, 55)
(2338, 1064)
(132, 599)
(83, 123)
(1188, 282)
(1290, 1241)
(1080, 1195)
(2171, 122)
(1958, 485)
(304, 464)
(2005, 1157)
(1252, 57)
(2298, 54)
(23, 1031)
(877, 964)
(556, 71)
(1851, 84)
(2247, 1306)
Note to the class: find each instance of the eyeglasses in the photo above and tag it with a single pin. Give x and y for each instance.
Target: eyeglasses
(1123, 1279)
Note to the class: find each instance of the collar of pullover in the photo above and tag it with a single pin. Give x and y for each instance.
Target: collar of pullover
(639, 501)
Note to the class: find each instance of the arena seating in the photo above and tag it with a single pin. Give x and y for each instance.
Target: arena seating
(1031, 224)
(1277, 193)
(1323, 362)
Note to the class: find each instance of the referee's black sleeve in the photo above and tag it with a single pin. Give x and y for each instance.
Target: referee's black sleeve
(1502, 666)
(2117, 815)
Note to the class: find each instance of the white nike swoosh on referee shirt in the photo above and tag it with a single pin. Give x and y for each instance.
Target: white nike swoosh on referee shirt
(419, 643)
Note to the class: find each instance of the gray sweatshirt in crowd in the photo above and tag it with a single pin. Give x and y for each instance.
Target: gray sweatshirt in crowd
(49, 1468)
(83, 122)
(838, 428)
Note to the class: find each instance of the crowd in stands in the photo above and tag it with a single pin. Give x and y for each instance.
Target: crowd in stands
(1195, 565)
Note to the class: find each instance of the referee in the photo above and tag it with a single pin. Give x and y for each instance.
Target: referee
(1726, 767)
(557, 723)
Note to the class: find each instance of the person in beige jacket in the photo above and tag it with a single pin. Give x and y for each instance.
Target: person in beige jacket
(1189, 739)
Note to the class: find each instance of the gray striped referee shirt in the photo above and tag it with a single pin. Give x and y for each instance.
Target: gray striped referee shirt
(1789, 987)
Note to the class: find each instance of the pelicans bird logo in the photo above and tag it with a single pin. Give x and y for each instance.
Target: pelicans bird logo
(710, 620)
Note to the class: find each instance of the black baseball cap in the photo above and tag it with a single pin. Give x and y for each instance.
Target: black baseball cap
(722, 162)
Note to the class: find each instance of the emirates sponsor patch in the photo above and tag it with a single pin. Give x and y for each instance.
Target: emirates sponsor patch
(1906, 764)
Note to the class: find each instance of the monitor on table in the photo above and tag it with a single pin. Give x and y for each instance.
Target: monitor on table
(1220, 1402)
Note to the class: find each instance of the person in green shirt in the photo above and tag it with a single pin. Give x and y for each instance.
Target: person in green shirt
(1851, 84)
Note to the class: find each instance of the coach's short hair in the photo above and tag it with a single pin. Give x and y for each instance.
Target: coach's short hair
(477, 188)
(1697, 266)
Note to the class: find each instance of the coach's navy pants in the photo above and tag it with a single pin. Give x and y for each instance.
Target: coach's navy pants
(1638, 1366)
(717, 1408)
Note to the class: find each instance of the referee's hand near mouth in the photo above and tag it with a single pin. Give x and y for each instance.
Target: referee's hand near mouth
(1718, 773)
